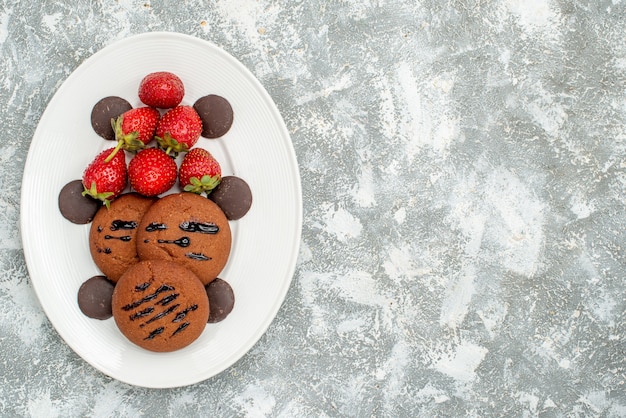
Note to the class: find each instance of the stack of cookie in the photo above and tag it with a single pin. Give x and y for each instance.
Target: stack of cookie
(161, 257)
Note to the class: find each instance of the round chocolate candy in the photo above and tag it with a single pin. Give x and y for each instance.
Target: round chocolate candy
(233, 196)
(106, 109)
(216, 114)
(75, 207)
(94, 297)
(221, 300)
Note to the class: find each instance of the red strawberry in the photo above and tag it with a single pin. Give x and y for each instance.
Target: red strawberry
(152, 172)
(161, 89)
(179, 129)
(135, 128)
(105, 180)
(199, 172)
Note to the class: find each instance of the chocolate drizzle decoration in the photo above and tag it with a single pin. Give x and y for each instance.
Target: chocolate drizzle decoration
(182, 314)
(154, 333)
(124, 238)
(201, 227)
(155, 226)
(181, 242)
(149, 310)
(197, 256)
(161, 315)
(142, 287)
(148, 298)
(142, 313)
(180, 328)
(167, 299)
(118, 224)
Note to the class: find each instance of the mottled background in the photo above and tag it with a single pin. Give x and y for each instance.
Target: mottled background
(463, 167)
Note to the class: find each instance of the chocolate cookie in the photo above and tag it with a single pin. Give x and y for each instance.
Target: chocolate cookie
(113, 231)
(189, 229)
(75, 207)
(216, 114)
(105, 110)
(233, 196)
(160, 305)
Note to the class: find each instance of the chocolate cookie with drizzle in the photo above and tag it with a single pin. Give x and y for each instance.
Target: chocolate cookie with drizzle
(113, 231)
(160, 305)
(188, 229)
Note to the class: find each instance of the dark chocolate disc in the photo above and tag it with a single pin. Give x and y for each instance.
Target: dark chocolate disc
(216, 114)
(233, 196)
(221, 299)
(75, 207)
(105, 110)
(94, 297)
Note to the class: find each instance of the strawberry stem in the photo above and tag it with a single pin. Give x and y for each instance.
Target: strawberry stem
(115, 150)
(93, 192)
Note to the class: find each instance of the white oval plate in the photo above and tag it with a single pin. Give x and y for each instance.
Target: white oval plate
(265, 241)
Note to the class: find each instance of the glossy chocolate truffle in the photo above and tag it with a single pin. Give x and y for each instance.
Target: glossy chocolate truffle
(105, 110)
(75, 207)
(94, 297)
(233, 196)
(216, 114)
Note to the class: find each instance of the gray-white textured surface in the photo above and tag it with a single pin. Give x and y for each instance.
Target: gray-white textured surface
(464, 176)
